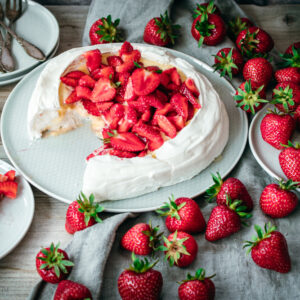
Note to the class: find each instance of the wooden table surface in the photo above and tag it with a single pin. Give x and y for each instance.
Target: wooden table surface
(17, 270)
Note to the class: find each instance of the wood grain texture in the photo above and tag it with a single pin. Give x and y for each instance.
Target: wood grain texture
(17, 270)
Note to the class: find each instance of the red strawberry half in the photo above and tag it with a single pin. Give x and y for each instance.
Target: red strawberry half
(269, 249)
(104, 90)
(9, 189)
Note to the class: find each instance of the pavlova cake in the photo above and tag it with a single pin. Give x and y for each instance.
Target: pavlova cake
(160, 122)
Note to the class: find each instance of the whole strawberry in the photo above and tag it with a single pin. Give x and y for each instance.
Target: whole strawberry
(297, 117)
(206, 8)
(104, 31)
(67, 290)
(183, 214)
(258, 70)
(250, 97)
(229, 61)
(254, 41)
(289, 160)
(197, 287)
(277, 128)
(180, 249)
(140, 281)
(291, 56)
(141, 239)
(53, 264)
(231, 187)
(277, 200)
(290, 74)
(208, 29)
(286, 96)
(269, 249)
(160, 31)
(82, 213)
(237, 25)
(225, 220)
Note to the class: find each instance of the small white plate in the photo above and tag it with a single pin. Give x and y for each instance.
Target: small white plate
(38, 26)
(59, 162)
(22, 74)
(15, 214)
(265, 154)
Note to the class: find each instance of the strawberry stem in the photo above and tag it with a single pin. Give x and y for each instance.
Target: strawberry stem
(140, 265)
(171, 209)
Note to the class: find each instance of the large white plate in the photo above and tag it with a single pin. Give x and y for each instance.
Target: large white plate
(15, 214)
(22, 74)
(265, 154)
(55, 165)
(38, 26)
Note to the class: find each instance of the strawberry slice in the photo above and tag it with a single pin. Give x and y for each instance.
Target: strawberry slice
(175, 77)
(153, 69)
(93, 59)
(104, 90)
(123, 78)
(69, 81)
(167, 127)
(173, 87)
(72, 98)
(104, 106)
(177, 121)
(96, 152)
(134, 55)
(144, 82)
(9, 189)
(125, 67)
(190, 84)
(146, 116)
(114, 152)
(187, 93)
(149, 132)
(164, 79)
(129, 119)
(107, 72)
(83, 92)
(191, 110)
(114, 115)
(129, 92)
(87, 81)
(125, 48)
(127, 141)
(153, 145)
(180, 104)
(114, 60)
(91, 108)
(3, 178)
(164, 111)
(142, 153)
(141, 107)
(75, 74)
(169, 71)
(151, 100)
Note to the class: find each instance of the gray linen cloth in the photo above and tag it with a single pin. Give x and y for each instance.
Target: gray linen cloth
(237, 275)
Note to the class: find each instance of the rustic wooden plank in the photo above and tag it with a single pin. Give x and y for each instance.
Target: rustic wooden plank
(17, 270)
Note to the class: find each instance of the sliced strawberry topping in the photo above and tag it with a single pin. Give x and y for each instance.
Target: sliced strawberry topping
(114, 61)
(123, 77)
(9, 189)
(146, 116)
(127, 141)
(166, 109)
(125, 67)
(152, 100)
(96, 152)
(126, 48)
(186, 92)
(161, 96)
(114, 115)
(103, 90)
(106, 71)
(134, 55)
(153, 145)
(129, 92)
(72, 98)
(144, 82)
(164, 79)
(129, 119)
(177, 121)
(87, 81)
(175, 77)
(153, 69)
(104, 106)
(83, 92)
(167, 127)
(190, 84)
(142, 153)
(191, 110)
(147, 131)
(91, 108)
(75, 74)
(141, 107)
(69, 81)
(180, 104)
(93, 59)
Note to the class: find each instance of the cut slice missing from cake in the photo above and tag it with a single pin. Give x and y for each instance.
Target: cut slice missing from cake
(160, 121)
